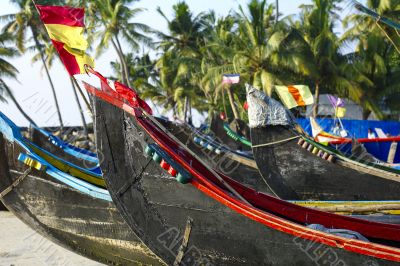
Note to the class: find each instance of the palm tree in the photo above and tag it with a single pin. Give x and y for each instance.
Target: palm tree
(268, 54)
(51, 54)
(331, 70)
(141, 71)
(18, 24)
(217, 60)
(113, 19)
(374, 55)
(173, 87)
(7, 70)
(182, 57)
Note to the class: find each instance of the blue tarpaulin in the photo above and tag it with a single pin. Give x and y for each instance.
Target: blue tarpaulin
(359, 129)
(356, 128)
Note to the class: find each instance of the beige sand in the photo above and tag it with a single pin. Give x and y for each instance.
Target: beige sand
(21, 246)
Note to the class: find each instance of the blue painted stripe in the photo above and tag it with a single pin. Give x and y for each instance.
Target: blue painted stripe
(13, 134)
(68, 148)
(71, 181)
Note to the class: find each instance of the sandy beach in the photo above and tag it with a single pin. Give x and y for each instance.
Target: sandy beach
(21, 246)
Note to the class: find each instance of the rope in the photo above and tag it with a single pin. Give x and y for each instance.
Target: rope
(15, 183)
(275, 142)
(223, 182)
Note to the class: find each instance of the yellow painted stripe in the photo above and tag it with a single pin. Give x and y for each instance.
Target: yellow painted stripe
(347, 203)
(69, 169)
(33, 163)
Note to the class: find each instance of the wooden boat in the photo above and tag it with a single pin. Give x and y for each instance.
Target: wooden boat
(87, 170)
(68, 211)
(236, 165)
(297, 167)
(73, 154)
(235, 136)
(383, 211)
(206, 217)
(218, 131)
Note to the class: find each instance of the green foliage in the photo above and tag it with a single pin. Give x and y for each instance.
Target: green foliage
(376, 57)
(195, 52)
(7, 70)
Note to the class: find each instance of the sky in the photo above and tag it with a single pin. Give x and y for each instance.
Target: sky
(32, 88)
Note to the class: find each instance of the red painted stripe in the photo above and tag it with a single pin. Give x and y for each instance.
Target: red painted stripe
(356, 246)
(63, 15)
(366, 140)
(68, 59)
(296, 95)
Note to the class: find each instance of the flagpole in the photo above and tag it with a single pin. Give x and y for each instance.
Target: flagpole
(224, 104)
(34, 3)
(73, 83)
(88, 105)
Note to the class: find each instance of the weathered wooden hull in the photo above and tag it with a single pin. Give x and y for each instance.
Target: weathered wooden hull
(296, 173)
(217, 128)
(238, 167)
(89, 226)
(42, 141)
(190, 224)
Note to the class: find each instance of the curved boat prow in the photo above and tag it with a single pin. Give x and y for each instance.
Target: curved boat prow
(68, 148)
(291, 161)
(8, 128)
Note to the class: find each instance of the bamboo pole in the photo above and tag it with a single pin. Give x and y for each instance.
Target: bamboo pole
(357, 209)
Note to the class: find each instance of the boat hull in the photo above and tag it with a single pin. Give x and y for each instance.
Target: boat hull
(183, 225)
(240, 168)
(296, 173)
(42, 141)
(86, 225)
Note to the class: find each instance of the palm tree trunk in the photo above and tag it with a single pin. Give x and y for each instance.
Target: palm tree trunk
(365, 113)
(315, 111)
(80, 109)
(190, 118)
(185, 109)
(11, 95)
(125, 65)
(125, 71)
(223, 103)
(88, 106)
(232, 102)
(49, 77)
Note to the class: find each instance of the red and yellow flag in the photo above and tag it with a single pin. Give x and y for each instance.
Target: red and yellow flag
(66, 26)
(295, 95)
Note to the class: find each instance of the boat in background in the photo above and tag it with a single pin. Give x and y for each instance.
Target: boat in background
(237, 165)
(85, 170)
(66, 210)
(217, 131)
(47, 141)
(297, 167)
